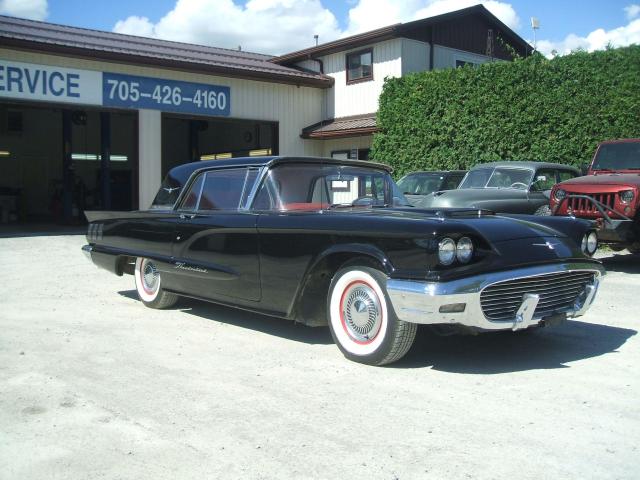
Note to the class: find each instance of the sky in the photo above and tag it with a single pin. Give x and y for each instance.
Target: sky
(281, 26)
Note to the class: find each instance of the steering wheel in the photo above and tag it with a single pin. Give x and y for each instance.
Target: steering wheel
(514, 184)
(363, 201)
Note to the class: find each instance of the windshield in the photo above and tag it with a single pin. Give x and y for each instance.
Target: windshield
(499, 177)
(617, 156)
(420, 184)
(316, 186)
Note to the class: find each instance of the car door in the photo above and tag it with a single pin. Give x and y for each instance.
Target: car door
(216, 243)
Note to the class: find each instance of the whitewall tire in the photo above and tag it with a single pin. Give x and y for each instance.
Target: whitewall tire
(361, 318)
(149, 285)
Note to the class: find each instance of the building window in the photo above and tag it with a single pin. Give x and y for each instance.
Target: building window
(360, 66)
(353, 154)
(462, 63)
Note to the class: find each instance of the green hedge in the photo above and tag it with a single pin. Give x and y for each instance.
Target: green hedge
(530, 109)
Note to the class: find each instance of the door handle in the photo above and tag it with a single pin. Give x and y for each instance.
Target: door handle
(185, 216)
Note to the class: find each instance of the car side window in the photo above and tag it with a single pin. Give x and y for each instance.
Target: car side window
(543, 180)
(452, 182)
(222, 189)
(190, 201)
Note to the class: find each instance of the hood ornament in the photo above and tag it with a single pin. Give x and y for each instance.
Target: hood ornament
(548, 244)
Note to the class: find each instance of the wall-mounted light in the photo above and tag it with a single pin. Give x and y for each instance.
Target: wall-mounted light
(260, 153)
(5, 153)
(216, 156)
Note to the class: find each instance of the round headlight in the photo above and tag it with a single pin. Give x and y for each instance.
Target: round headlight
(446, 251)
(626, 196)
(560, 194)
(592, 243)
(464, 249)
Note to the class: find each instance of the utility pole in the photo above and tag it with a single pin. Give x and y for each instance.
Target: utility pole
(535, 25)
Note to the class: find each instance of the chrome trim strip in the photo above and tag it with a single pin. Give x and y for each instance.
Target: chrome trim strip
(419, 301)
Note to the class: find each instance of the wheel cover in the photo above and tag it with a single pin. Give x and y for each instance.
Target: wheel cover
(150, 276)
(361, 312)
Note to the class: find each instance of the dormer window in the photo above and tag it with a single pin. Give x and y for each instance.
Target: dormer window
(360, 66)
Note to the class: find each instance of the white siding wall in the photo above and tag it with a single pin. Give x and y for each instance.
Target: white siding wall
(415, 56)
(445, 57)
(345, 100)
(312, 65)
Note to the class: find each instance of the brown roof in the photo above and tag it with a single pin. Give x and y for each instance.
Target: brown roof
(402, 29)
(342, 127)
(94, 44)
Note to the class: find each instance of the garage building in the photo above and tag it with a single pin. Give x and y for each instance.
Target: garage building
(94, 120)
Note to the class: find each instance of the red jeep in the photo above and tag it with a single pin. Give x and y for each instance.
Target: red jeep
(608, 194)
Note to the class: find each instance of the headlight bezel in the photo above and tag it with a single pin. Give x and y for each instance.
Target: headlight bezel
(559, 194)
(451, 250)
(464, 250)
(589, 243)
(592, 243)
(630, 194)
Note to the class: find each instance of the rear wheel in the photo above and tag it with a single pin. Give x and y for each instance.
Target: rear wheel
(361, 318)
(149, 285)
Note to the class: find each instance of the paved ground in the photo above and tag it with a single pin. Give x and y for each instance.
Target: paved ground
(94, 385)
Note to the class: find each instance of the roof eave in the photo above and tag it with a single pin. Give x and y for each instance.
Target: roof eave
(352, 132)
(127, 58)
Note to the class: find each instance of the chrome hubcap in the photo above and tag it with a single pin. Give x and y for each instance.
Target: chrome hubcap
(150, 276)
(361, 312)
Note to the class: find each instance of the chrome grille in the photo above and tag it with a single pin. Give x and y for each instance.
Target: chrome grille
(582, 205)
(558, 292)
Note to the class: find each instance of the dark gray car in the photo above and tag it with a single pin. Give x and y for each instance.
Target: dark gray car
(416, 186)
(506, 187)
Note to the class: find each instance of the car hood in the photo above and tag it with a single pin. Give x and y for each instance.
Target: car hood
(494, 228)
(632, 179)
(468, 197)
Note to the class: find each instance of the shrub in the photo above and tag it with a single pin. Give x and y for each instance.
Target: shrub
(529, 109)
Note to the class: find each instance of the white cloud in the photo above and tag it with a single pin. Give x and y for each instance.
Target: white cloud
(279, 26)
(271, 26)
(596, 40)
(31, 9)
(133, 25)
(632, 11)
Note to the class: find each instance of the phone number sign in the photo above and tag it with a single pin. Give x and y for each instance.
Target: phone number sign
(130, 91)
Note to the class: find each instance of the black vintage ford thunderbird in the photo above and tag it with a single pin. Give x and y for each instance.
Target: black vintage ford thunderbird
(323, 241)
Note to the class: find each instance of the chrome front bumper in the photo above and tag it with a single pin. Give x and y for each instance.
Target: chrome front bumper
(423, 302)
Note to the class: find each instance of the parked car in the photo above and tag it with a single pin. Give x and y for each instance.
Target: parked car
(609, 194)
(326, 241)
(417, 185)
(505, 187)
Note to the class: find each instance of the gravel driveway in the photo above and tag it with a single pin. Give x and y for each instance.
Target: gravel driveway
(95, 385)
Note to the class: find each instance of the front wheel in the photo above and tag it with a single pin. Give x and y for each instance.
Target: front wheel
(361, 318)
(149, 285)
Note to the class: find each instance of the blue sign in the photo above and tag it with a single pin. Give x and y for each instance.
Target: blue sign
(129, 91)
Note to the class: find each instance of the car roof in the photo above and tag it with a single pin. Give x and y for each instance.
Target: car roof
(184, 171)
(526, 164)
(621, 140)
(437, 172)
